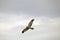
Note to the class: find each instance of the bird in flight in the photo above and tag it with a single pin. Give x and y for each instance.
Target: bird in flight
(28, 26)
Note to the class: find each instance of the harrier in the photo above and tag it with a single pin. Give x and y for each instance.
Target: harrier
(28, 26)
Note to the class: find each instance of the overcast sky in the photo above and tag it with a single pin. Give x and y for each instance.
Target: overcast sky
(15, 15)
(32, 7)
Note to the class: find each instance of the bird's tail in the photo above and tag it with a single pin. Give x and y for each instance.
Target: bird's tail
(32, 28)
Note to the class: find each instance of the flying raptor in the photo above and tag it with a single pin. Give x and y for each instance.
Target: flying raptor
(28, 26)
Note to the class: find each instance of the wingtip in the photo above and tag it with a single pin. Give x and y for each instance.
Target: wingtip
(22, 31)
(32, 19)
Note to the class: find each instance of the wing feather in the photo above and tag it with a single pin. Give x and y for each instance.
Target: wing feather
(24, 30)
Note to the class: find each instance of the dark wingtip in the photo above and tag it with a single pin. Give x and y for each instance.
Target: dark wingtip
(32, 19)
(22, 31)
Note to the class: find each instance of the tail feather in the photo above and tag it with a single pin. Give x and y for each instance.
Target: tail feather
(32, 28)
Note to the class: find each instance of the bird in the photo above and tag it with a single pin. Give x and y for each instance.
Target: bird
(28, 26)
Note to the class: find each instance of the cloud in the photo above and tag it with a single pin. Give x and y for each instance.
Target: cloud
(8, 21)
(14, 13)
(45, 27)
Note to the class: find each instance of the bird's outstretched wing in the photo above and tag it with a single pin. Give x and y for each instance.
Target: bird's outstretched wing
(24, 30)
(29, 26)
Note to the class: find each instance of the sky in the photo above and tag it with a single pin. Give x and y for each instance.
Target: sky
(16, 14)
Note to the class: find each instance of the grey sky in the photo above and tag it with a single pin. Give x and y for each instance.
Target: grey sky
(50, 8)
(15, 15)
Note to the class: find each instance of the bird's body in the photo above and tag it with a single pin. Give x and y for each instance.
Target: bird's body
(29, 26)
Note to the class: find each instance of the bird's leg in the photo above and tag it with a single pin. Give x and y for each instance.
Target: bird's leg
(32, 28)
